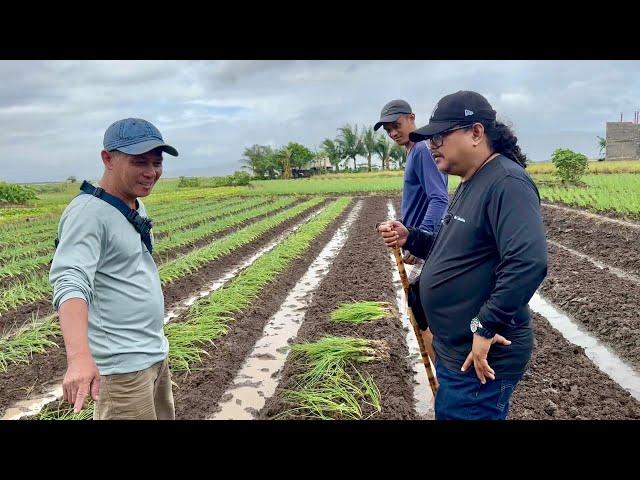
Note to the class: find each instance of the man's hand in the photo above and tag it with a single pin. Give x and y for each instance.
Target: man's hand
(409, 259)
(82, 377)
(393, 233)
(478, 355)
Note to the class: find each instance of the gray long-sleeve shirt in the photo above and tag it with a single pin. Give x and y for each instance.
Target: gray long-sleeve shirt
(102, 260)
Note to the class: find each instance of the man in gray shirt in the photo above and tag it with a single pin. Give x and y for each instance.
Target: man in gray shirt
(106, 286)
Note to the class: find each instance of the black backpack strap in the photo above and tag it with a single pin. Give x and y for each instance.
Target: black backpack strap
(142, 224)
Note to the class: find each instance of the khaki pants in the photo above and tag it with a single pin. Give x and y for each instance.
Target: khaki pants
(141, 395)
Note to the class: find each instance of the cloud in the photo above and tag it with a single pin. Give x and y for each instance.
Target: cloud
(53, 113)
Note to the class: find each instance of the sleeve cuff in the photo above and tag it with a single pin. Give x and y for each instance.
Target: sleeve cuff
(70, 295)
(489, 327)
(411, 239)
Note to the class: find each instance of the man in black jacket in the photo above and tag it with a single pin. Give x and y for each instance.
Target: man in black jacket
(485, 262)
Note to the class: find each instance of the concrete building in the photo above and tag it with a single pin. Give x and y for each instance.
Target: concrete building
(623, 141)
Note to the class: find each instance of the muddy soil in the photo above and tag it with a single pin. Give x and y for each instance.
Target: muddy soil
(361, 271)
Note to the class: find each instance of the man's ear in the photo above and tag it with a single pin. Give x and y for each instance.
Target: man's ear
(478, 132)
(107, 159)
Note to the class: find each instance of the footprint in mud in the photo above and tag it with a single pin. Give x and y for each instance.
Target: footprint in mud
(238, 401)
(265, 356)
(247, 383)
(226, 397)
(264, 369)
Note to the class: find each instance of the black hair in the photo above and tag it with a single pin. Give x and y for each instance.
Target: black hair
(503, 140)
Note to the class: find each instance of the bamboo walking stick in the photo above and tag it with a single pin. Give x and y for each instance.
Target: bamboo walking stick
(433, 383)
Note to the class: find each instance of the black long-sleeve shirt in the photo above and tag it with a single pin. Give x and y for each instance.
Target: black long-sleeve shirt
(487, 260)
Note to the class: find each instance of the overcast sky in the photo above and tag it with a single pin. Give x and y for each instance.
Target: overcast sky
(53, 114)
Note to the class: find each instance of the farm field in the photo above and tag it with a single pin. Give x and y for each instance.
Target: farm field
(281, 303)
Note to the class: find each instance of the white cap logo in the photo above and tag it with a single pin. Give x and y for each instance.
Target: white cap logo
(467, 112)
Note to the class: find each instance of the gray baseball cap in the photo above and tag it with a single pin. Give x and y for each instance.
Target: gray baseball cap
(135, 136)
(392, 111)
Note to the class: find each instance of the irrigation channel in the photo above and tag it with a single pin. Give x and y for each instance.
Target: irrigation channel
(257, 379)
(302, 260)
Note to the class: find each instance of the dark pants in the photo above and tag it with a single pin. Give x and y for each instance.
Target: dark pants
(461, 396)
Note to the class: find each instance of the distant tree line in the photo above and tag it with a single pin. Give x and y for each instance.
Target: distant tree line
(351, 142)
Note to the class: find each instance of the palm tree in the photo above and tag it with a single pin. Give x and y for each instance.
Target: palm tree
(369, 140)
(285, 157)
(383, 149)
(602, 143)
(350, 142)
(398, 154)
(332, 150)
(257, 159)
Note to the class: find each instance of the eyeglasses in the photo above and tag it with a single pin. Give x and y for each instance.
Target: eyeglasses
(437, 140)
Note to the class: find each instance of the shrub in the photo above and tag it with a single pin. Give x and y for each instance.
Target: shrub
(570, 166)
(188, 182)
(12, 193)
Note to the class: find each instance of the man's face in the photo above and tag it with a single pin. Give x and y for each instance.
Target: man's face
(137, 174)
(400, 129)
(451, 150)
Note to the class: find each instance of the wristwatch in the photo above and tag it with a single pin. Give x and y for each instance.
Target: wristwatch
(476, 327)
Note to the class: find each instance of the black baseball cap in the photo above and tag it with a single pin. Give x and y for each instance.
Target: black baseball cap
(392, 111)
(454, 110)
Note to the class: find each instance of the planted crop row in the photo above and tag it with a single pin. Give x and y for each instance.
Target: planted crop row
(43, 241)
(208, 318)
(166, 192)
(201, 214)
(195, 259)
(187, 237)
(179, 268)
(43, 231)
(20, 238)
(8, 255)
(619, 192)
(36, 287)
(28, 290)
(24, 265)
(9, 228)
(162, 214)
(36, 338)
